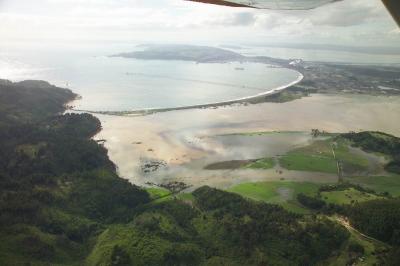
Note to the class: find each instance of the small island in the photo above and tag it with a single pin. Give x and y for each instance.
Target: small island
(199, 54)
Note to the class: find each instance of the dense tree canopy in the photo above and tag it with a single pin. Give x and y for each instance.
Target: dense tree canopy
(379, 219)
(57, 185)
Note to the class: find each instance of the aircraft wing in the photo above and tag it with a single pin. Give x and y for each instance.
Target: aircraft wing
(392, 5)
(394, 8)
(271, 4)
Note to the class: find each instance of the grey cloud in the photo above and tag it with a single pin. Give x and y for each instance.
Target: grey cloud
(347, 14)
(243, 19)
(233, 19)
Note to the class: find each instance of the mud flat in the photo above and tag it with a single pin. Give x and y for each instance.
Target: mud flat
(187, 140)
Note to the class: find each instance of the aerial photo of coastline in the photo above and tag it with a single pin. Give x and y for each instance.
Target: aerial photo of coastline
(210, 133)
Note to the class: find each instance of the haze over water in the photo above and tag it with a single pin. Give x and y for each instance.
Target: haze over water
(117, 84)
(113, 83)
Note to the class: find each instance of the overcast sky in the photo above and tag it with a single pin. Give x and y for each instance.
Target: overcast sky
(351, 22)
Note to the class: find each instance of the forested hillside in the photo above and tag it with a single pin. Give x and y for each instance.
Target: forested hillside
(220, 228)
(57, 186)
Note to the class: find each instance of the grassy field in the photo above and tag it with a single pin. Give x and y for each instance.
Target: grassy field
(351, 162)
(316, 157)
(278, 192)
(319, 157)
(305, 162)
(390, 183)
(185, 196)
(266, 163)
(261, 133)
(347, 196)
(156, 193)
(161, 195)
(233, 164)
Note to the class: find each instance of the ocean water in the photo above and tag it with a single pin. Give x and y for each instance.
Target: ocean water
(115, 84)
(318, 55)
